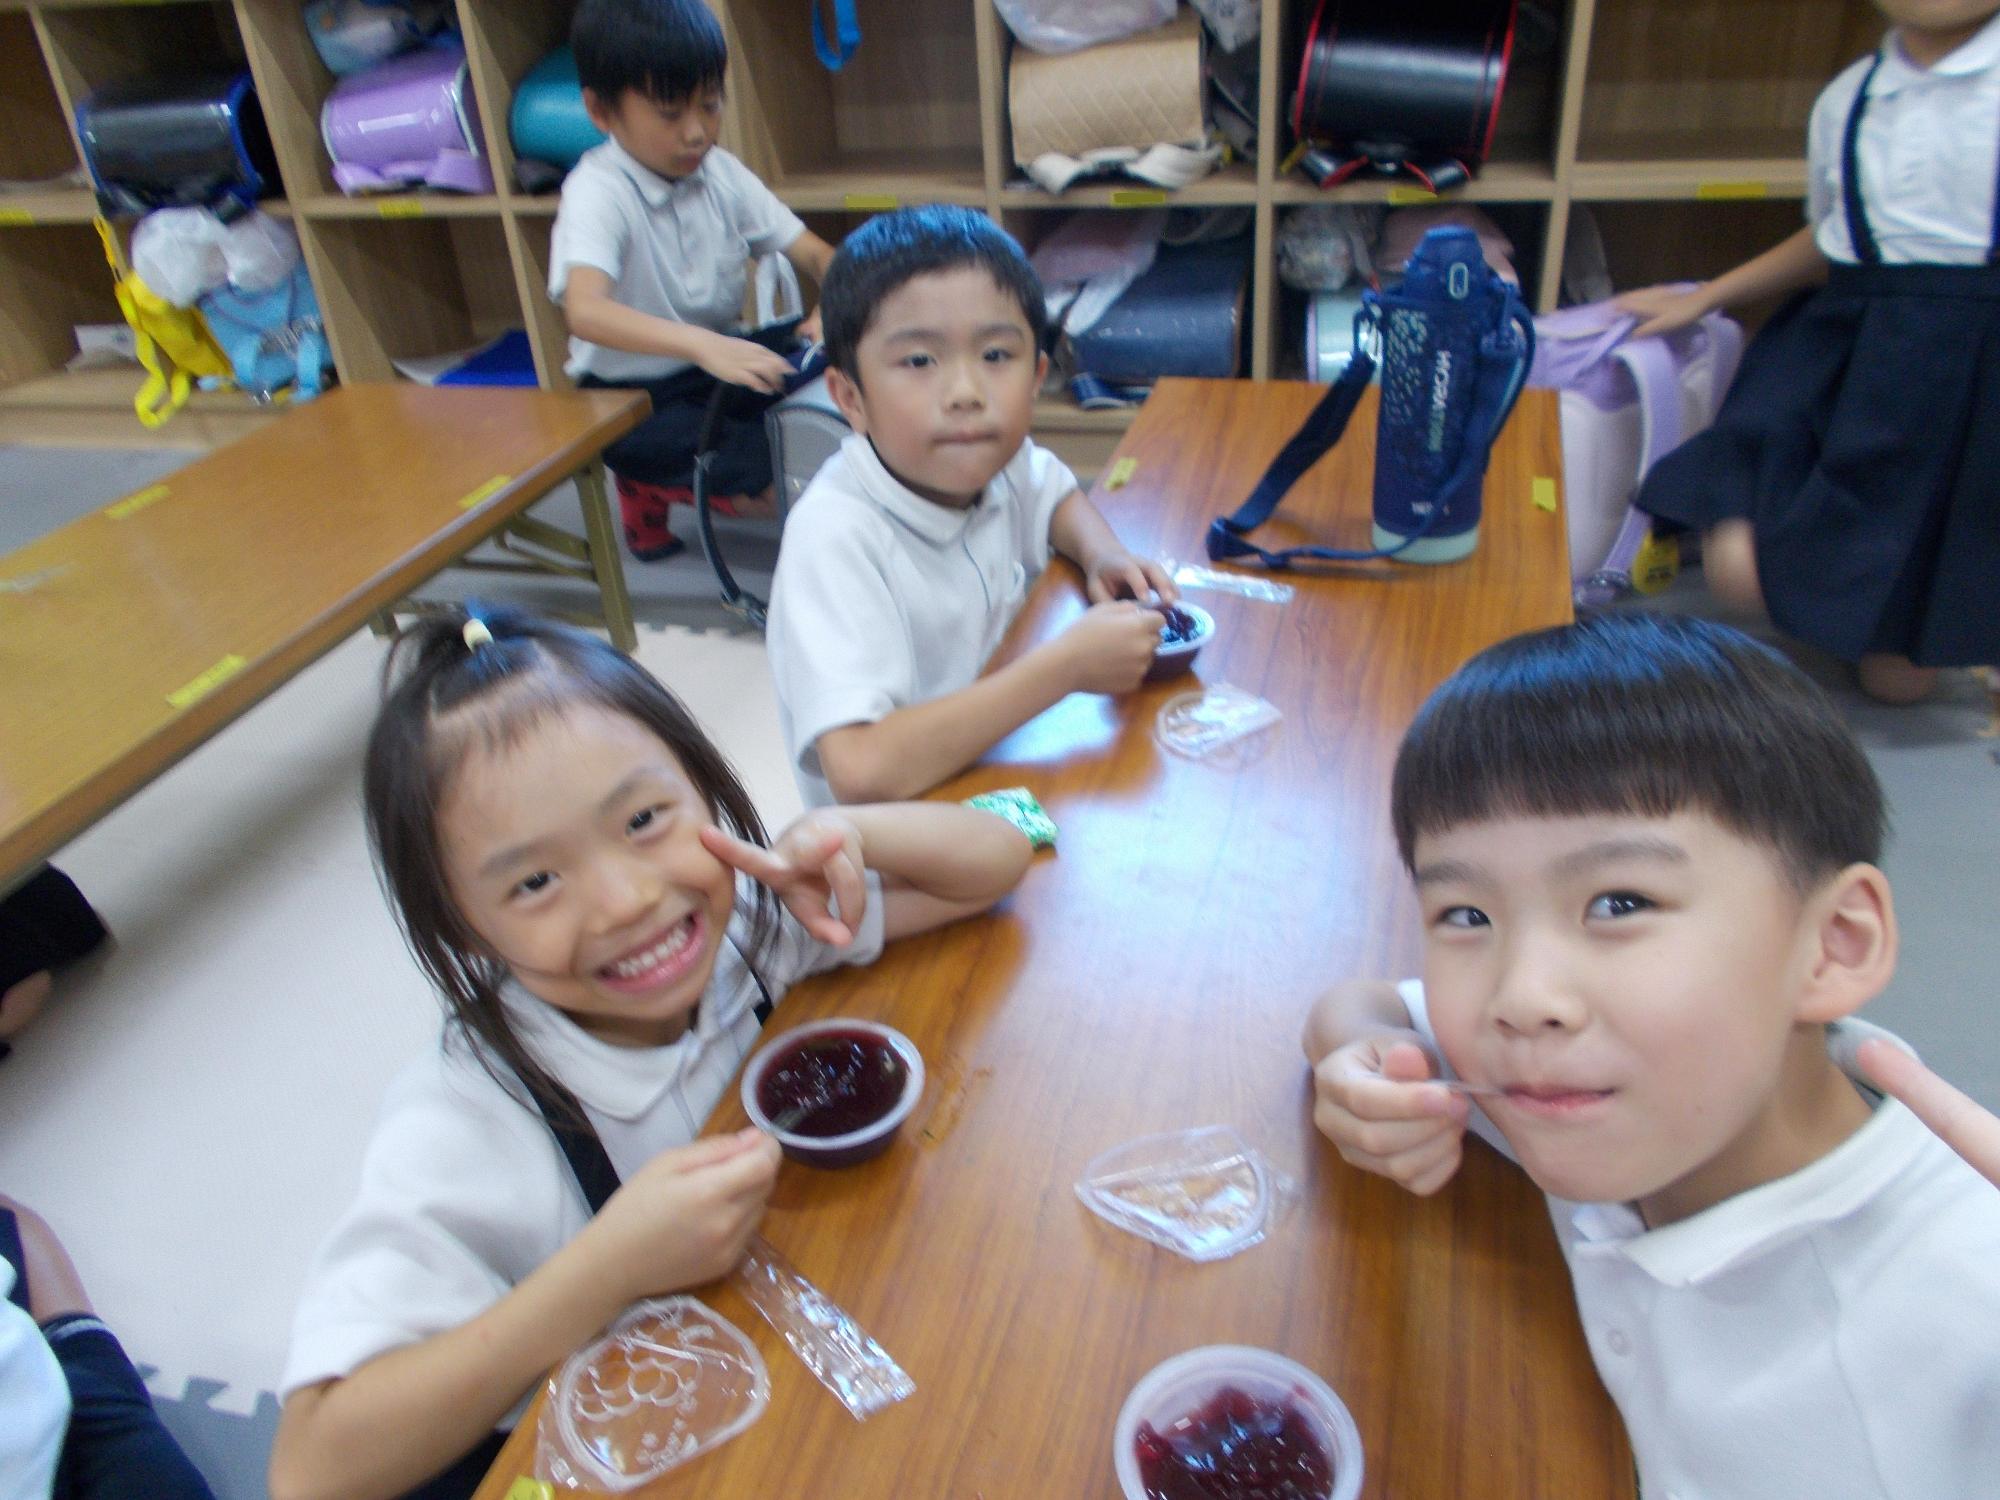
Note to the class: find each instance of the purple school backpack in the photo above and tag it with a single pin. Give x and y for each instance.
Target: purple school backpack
(1626, 403)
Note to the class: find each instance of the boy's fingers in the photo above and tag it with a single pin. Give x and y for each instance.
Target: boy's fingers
(1405, 1063)
(1957, 1119)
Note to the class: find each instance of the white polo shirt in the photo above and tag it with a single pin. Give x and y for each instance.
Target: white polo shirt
(1832, 1335)
(1929, 148)
(34, 1401)
(882, 598)
(675, 247)
(463, 1188)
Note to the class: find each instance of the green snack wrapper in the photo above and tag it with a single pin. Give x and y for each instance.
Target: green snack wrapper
(1018, 806)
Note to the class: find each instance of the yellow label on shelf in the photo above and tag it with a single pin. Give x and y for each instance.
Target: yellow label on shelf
(208, 682)
(1658, 561)
(1542, 490)
(400, 208)
(1138, 197)
(20, 218)
(1748, 188)
(1292, 158)
(871, 202)
(1121, 473)
(486, 491)
(1403, 192)
(135, 502)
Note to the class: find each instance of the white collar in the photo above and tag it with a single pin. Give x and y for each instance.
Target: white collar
(655, 189)
(1840, 1182)
(940, 525)
(619, 1083)
(1979, 54)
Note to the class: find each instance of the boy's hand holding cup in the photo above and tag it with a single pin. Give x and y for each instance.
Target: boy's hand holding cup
(1375, 1100)
(1110, 646)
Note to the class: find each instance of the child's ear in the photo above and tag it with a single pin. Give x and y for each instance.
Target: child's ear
(1041, 369)
(600, 113)
(1854, 943)
(846, 393)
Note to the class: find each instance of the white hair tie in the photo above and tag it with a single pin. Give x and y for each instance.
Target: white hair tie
(476, 634)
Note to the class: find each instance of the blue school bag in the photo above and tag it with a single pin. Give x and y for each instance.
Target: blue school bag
(1455, 342)
(273, 338)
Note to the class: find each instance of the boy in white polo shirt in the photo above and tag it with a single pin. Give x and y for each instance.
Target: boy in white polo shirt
(1644, 850)
(912, 550)
(649, 255)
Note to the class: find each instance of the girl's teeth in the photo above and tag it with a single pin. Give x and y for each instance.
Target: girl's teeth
(652, 958)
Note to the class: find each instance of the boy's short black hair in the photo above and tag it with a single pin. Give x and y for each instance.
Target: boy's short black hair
(665, 50)
(1643, 714)
(894, 248)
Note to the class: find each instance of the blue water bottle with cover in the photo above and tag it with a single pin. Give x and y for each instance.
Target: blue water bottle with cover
(1454, 342)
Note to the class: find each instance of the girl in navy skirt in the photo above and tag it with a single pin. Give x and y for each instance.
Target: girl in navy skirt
(1851, 484)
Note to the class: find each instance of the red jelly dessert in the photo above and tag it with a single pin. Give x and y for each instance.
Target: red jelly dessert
(1236, 1447)
(831, 1083)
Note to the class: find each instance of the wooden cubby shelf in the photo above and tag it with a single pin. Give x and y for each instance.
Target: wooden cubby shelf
(1680, 123)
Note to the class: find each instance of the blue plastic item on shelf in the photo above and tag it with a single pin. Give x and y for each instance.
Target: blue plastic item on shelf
(549, 123)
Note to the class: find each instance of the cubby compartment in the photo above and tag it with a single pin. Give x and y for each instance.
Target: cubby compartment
(55, 278)
(1233, 183)
(36, 142)
(503, 43)
(409, 288)
(293, 84)
(1526, 225)
(900, 123)
(1520, 164)
(1647, 243)
(1709, 97)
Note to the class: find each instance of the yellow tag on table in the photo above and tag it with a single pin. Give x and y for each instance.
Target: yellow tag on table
(400, 208)
(1542, 490)
(1748, 188)
(871, 202)
(1121, 473)
(1657, 563)
(486, 491)
(208, 682)
(1138, 197)
(135, 502)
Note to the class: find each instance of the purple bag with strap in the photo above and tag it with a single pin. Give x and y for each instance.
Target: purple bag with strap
(1626, 403)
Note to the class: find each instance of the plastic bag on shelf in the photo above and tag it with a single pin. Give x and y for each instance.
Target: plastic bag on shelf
(178, 252)
(1233, 22)
(1323, 246)
(1068, 25)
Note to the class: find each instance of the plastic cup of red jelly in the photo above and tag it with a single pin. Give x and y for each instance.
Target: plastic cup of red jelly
(852, 1124)
(1185, 1389)
(1189, 633)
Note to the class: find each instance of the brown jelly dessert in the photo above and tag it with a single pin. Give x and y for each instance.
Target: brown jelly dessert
(831, 1082)
(1236, 1447)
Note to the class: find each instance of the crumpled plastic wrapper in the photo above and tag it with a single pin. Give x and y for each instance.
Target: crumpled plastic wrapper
(1204, 1193)
(1217, 723)
(822, 1334)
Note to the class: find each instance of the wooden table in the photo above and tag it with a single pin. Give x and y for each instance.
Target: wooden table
(130, 636)
(1151, 975)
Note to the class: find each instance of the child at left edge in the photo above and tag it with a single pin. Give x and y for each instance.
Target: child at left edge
(649, 255)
